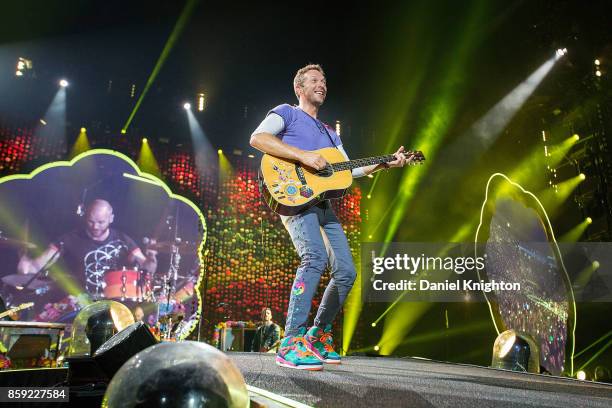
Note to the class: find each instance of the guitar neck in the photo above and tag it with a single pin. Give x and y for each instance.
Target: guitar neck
(353, 164)
(16, 309)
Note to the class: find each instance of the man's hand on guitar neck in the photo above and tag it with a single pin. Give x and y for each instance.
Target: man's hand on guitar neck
(313, 159)
(401, 158)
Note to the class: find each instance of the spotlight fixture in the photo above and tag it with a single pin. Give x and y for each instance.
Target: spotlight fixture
(598, 73)
(63, 83)
(145, 140)
(589, 220)
(373, 324)
(187, 106)
(582, 176)
(376, 347)
(83, 130)
(220, 151)
(201, 97)
(24, 65)
(597, 62)
(516, 351)
(561, 52)
(581, 375)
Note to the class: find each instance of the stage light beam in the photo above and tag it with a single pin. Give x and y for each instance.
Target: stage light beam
(226, 170)
(187, 106)
(575, 233)
(53, 124)
(552, 199)
(176, 32)
(202, 149)
(81, 144)
(483, 133)
(146, 159)
(63, 83)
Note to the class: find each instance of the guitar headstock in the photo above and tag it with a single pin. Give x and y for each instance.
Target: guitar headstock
(414, 157)
(25, 306)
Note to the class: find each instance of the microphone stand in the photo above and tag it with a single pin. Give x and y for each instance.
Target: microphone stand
(175, 260)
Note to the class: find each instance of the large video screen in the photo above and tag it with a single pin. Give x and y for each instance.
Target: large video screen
(96, 228)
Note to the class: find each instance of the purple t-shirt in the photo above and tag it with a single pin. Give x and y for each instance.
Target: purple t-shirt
(303, 131)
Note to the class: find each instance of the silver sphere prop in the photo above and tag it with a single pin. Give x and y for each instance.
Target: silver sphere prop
(184, 374)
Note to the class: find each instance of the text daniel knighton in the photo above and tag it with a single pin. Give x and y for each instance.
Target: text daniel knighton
(457, 285)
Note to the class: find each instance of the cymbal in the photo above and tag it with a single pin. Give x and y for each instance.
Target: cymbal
(15, 243)
(173, 316)
(18, 280)
(167, 246)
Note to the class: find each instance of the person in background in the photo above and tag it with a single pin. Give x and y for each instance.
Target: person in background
(267, 336)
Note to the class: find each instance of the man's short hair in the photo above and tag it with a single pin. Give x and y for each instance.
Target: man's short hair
(299, 75)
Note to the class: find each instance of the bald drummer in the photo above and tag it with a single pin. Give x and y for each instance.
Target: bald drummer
(90, 251)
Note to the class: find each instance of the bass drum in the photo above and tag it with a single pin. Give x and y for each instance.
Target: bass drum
(122, 284)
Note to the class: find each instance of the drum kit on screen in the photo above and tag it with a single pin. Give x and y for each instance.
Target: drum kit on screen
(131, 284)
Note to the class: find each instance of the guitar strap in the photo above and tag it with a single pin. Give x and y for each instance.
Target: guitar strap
(319, 124)
(328, 135)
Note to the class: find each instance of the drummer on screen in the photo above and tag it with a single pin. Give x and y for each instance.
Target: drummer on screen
(91, 251)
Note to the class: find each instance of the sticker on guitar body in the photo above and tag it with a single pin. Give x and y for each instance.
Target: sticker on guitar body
(285, 184)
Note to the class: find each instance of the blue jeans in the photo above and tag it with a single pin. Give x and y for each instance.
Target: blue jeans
(319, 240)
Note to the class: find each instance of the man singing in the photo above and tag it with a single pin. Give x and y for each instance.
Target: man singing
(292, 132)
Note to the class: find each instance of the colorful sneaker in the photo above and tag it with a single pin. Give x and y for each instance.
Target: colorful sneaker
(321, 344)
(293, 353)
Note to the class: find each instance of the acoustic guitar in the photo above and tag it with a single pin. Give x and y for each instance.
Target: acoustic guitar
(290, 188)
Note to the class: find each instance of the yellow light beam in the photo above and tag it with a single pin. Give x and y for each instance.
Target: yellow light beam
(176, 32)
(596, 342)
(585, 275)
(552, 199)
(594, 357)
(146, 159)
(575, 233)
(226, 170)
(81, 145)
(400, 321)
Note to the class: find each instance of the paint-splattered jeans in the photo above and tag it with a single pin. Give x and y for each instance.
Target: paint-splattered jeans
(319, 240)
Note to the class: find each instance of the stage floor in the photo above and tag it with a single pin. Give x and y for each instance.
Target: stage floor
(411, 382)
